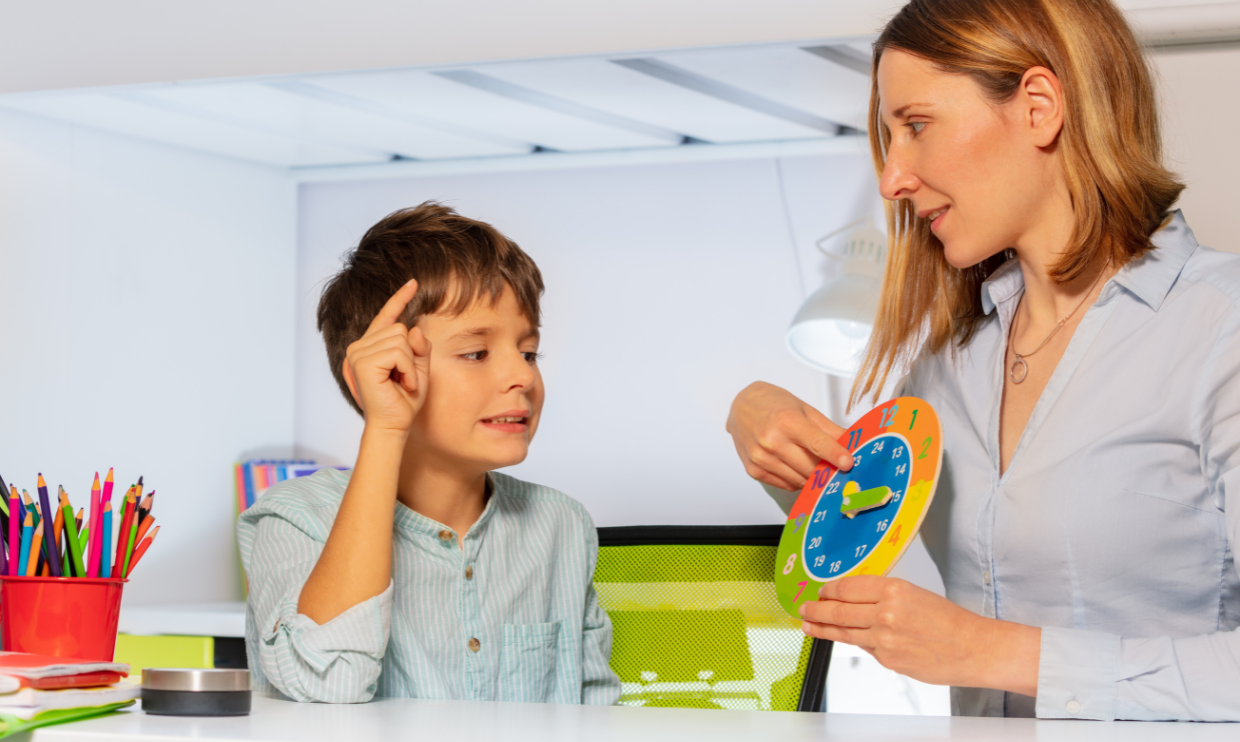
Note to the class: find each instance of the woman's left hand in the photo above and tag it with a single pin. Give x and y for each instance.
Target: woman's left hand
(925, 636)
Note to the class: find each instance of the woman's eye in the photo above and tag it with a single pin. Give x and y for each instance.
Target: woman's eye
(477, 355)
(916, 126)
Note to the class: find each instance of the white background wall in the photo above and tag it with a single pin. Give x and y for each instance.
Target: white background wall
(146, 309)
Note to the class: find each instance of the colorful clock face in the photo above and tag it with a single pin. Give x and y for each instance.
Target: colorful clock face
(861, 521)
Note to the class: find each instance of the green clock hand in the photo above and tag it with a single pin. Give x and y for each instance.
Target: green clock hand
(857, 500)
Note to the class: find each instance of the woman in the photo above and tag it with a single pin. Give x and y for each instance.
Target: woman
(1080, 349)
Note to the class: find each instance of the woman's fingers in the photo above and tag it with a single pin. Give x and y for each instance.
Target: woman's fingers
(835, 613)
(818, 439)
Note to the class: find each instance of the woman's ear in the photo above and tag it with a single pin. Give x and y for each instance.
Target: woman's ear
(350, 381)
(1041, 98)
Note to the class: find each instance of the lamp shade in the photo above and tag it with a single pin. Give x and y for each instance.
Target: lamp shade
(833, 326)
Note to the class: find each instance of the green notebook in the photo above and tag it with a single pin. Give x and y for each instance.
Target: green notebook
(12, 724)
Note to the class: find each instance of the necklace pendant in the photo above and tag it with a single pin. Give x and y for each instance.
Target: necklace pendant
(1024, 370)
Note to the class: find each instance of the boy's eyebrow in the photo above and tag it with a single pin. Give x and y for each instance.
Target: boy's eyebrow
(473, 332)
(482, 332)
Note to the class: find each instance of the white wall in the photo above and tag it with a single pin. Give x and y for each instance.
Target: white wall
(146, 307)
(669, 288)
(1199, 107)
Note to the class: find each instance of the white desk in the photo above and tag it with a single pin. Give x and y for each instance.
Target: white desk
(459, 721)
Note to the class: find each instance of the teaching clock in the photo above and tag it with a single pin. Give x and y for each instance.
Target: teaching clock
(859, 522)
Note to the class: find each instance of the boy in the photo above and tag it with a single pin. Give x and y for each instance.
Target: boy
(426, 574)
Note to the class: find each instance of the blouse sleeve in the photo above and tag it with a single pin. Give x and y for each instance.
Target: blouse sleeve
(336, 662)
(1093, 675)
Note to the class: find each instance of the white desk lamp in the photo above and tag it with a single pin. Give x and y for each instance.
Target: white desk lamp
(831, 330)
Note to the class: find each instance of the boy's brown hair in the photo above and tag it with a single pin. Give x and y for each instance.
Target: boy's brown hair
(455, 260)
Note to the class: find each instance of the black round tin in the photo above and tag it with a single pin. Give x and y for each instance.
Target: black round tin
(188, 692)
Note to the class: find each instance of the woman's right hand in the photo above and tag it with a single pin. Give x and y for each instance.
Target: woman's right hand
(781, 439)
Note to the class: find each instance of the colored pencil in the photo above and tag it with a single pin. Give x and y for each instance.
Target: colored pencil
(92, 554)
(58, 528)
(100, 545)
(36, 543)
(105, 558)
(126, 515)
(23, 556)
(15, 539)
(144, 527)
(74, 547)
(144, 510)
(28, 504)
(131, 540)
(53, 556)
(146, 544)
(4, 514)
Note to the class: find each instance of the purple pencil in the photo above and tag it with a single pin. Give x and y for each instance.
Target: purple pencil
(15, 542)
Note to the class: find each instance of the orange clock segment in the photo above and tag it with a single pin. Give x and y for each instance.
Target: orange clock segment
(861, 521)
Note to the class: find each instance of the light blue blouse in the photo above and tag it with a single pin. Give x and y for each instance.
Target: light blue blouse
(1115, 524)
(511, 616)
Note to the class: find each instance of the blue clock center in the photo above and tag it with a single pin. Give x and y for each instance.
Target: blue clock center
(835, 543)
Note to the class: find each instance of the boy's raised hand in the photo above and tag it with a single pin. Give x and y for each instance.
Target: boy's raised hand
(387, 369)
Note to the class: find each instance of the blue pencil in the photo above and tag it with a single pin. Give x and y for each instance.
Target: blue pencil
(105, 569)
(27, 534)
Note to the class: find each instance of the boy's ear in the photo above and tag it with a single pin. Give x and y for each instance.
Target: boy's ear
(348, 379)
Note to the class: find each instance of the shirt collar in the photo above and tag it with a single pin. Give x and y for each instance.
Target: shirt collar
(413, 521)
(1149, 277)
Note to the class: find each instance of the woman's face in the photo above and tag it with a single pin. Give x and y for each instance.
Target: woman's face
(974, 168)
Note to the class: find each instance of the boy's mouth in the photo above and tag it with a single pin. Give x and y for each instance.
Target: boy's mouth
(513, 421)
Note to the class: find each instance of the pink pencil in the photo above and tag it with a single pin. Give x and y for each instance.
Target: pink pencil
(92, 547)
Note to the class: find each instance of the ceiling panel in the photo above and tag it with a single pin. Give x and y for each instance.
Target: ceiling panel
(112, 113)
(787, 74)
(298, 110)
(611, 87)
(426, 94)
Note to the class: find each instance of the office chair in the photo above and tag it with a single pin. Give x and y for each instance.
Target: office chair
(696, 622)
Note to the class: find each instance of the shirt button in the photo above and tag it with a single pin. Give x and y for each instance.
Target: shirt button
(445, 535)
(475, 645)
(986, 576)
(1073, 707)
(469, 572)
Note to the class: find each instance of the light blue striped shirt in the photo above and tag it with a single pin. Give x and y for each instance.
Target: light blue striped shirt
(510, 616)
(1115, 525)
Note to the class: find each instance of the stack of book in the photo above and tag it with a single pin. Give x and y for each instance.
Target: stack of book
(36, 690)
(253, 477)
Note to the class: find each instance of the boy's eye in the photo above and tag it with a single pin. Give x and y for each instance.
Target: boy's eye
(477, 355)
(532, 356)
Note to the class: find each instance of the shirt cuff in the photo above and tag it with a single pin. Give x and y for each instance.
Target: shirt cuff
(783, 498)
(364, 629)
(1076, 674)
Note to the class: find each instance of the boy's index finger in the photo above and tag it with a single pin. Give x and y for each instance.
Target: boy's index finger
(394, 307)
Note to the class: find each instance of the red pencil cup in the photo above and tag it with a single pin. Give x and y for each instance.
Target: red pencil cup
(60, 616)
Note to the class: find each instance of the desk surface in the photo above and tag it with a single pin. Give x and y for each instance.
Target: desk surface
(386, 719)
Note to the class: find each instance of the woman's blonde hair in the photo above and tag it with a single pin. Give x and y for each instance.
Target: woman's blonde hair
(1109, 144)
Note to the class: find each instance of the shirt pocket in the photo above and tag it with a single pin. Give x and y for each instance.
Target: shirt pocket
(528, 662)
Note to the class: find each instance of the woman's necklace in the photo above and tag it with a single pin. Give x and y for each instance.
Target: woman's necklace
(1020, 358)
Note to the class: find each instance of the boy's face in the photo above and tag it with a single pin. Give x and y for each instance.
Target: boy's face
(484, 390)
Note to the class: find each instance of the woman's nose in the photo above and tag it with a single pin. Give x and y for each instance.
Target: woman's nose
(897, 180)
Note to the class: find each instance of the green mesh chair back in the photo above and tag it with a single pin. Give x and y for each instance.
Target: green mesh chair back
(696, 622)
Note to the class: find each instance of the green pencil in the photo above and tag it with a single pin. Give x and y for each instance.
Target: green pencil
(130, 538)
(71, 535)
